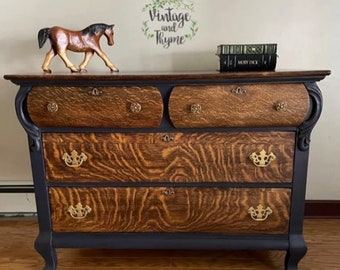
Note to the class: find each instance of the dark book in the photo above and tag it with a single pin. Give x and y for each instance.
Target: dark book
(270, 48)
(247, 62)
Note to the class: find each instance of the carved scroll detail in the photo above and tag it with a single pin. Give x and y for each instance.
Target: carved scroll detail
(307, 126)
(32, 131)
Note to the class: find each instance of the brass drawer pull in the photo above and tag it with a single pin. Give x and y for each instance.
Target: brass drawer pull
(167, 138)
(281, 106)
(79, 212)
(135, 107)
(196, 108)
(74, 160)
(95, 92)
(52, 107)
(260, 213)
(239, 91)
(168, 192)
(262, 159)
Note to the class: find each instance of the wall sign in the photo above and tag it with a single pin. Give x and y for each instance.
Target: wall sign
(169, 22)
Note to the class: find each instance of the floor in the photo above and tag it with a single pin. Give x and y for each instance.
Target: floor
(17, 239)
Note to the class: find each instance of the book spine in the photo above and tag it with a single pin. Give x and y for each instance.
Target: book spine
(248, 62)
(247, 49)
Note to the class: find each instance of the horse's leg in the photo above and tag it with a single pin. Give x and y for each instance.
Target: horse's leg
(49, 56)
(103, 56)
(68, 63)
(88, 56)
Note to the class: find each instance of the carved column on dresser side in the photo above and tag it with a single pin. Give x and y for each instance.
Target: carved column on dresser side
(297, 246)
(43, 243)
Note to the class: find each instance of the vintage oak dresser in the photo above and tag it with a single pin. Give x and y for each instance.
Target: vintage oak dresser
(173, 161)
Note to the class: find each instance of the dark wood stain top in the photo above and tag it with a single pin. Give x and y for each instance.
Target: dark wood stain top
(312, 75)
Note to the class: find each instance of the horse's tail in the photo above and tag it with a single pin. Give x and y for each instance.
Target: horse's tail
(43, 35)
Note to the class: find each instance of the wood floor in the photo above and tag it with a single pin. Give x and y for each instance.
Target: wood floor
(17, 238)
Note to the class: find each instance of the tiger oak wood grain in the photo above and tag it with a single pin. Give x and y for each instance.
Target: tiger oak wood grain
(111, 108)
(255, 105)
(188, 157)
(148, 209)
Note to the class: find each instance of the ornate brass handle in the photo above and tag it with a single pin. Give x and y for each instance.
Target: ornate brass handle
(262, 159)
(52, 107)
(281, 106)
(167, 138)
(239, 91)
(135, 107)
(260, 213)
(168, 192)
(196, 108)
(74, 160)
(79, 212)
(95, 92)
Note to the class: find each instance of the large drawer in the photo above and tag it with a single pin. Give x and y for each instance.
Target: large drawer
(244, 105)
(161, 209)
(123, 107)
(169, 157)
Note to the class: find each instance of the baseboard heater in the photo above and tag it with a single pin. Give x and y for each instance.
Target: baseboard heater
(16, 189)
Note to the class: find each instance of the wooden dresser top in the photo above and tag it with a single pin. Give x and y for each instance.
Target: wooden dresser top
(306, 75)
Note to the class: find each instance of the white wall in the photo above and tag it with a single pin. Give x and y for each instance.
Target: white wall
(306, 32)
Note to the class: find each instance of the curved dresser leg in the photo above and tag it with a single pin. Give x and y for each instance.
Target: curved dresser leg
(297, 249)
(43, 246)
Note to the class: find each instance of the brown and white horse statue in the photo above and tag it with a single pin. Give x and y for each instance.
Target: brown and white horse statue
(86, 41)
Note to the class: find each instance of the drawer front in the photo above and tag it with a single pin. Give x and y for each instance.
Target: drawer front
(151, 209)
(239, 105)
(170, 157)
(123, 107)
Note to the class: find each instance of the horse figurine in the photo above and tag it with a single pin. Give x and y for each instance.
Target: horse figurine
(86, 41)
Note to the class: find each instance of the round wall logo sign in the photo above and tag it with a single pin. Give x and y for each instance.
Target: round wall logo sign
(169, 22)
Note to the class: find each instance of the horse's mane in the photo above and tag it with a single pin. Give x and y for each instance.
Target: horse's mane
(95, 29)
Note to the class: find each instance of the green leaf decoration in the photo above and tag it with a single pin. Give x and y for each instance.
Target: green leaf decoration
(177, 4)
(145, 30)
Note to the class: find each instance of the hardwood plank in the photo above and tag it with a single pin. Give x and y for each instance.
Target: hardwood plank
(18, 236)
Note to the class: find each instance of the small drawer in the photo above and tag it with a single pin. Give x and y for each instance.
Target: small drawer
(118, 107)
(246, 105)
(164, 209)
(169, 157)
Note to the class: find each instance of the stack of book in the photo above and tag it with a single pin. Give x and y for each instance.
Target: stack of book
(247, 57)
